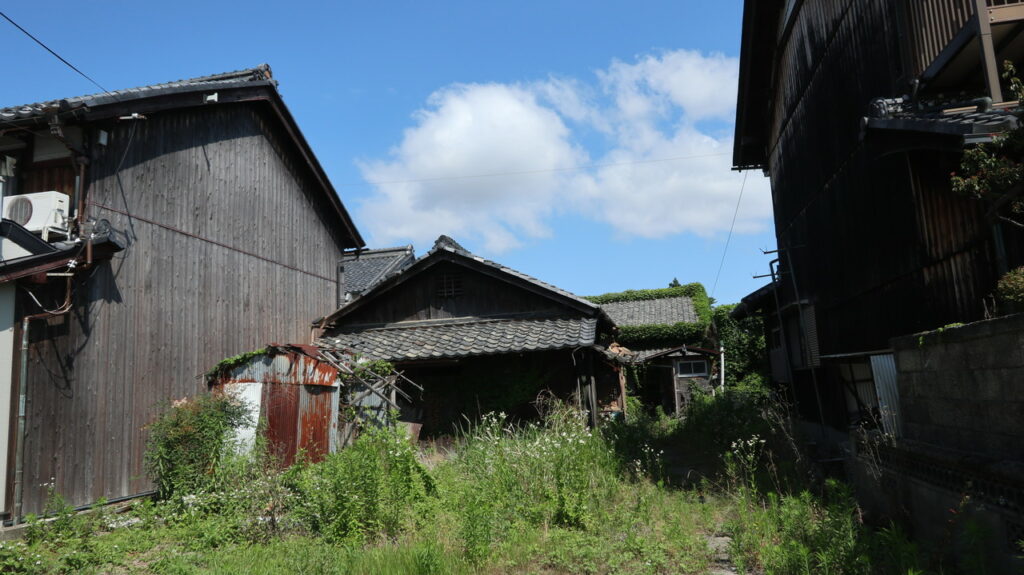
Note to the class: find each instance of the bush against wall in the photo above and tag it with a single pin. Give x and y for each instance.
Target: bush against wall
(190, 439)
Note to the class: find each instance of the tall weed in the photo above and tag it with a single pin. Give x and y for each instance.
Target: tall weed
(554, 473)
(369, 489)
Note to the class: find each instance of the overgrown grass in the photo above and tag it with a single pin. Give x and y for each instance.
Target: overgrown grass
(546, 497)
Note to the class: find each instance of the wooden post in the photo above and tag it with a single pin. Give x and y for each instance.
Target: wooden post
(988, 53)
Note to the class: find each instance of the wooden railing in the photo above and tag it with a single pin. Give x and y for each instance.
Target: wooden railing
(931, 25)
(1005, 10)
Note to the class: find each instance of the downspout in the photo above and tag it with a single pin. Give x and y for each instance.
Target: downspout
(19, 457)
(721, 368)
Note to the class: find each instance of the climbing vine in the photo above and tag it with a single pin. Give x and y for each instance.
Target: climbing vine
(661, 335)
(230, 363)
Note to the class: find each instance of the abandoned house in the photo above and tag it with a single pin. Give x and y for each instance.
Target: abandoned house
(664, 331)
(844, 106)
(859, 112)
(229, 235)
(479, 337)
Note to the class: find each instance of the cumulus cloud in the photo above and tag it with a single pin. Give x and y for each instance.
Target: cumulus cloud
(494, 162)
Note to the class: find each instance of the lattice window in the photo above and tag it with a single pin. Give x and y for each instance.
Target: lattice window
(449, 285)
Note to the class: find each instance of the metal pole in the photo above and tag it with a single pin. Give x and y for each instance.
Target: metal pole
(721, 369)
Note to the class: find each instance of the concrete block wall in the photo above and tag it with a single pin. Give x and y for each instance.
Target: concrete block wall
(962, 388)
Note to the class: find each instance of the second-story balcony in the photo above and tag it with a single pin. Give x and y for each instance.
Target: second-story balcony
(957, 45)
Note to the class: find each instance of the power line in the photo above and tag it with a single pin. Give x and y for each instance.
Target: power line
(539, 171)
(56, 55)
(729, 238)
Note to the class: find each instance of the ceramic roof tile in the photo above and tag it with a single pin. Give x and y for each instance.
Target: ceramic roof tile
(260, 73)
(463, 338)
(670, 310)
(365, 269)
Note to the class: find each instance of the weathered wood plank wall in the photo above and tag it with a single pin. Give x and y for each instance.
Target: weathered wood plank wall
(871, 230)
(420, 298)
(227, 250)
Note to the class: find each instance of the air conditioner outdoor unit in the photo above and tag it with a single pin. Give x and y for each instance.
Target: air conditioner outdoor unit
(42, 212)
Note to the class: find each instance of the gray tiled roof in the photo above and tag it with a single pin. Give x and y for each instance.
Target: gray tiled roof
(260, 73)
(464, 338)
(670, 310)
(367, 268)
(974, 121)
(447, 244)
(643, 354)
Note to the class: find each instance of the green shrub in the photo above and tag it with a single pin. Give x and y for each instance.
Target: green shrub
(1010, 289)
(726, 417)
(370, 489)
(189, 440)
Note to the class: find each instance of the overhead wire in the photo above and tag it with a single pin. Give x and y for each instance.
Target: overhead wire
(526, 172)
(55, 54)
(729, 237)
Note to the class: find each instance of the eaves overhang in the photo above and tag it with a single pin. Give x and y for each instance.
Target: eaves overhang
(761, 20)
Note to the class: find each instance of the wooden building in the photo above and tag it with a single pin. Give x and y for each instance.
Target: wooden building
(231, 233)
(479, 337)
(859, 111)
(662, 329)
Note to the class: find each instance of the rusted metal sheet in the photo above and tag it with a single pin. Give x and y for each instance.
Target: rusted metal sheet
(296, 394)
(281, 410)
(285, 365)
(317, 425)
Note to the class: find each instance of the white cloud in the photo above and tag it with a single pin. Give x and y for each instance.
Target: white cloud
(658, 174)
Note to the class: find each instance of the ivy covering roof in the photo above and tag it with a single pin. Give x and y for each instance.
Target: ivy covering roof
(658, 318)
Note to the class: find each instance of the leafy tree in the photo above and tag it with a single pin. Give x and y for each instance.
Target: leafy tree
(994, 172)
(675, 283)
(746, 360)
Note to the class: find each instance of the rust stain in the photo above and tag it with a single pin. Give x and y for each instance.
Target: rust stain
(281, 408)
(315, 424)
(297, 398)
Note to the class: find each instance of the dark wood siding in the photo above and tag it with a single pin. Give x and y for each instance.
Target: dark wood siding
(226, 251)
(449, 290)
(878, 241)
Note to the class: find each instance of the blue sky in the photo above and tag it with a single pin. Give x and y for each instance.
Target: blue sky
(585, 143)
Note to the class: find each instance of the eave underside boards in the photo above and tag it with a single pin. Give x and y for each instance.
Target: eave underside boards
(171, 304)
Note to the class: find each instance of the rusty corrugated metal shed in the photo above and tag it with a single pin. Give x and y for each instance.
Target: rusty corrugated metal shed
(295, 391)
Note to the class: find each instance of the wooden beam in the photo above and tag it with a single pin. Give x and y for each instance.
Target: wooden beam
(1000, 14)
(988, 53)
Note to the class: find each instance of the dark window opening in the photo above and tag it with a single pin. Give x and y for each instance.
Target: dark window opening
(449, 285)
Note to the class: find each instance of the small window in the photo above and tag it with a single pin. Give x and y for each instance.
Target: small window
(691, 368)
(449, 285)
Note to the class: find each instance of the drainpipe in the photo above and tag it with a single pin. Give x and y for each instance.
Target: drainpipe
(721, 368)
(19, 461)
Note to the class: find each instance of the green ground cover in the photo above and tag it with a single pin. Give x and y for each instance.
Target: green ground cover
(546, 497)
